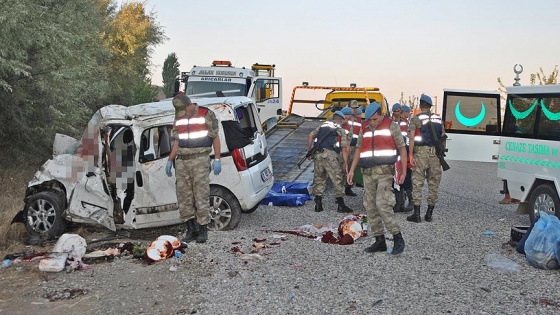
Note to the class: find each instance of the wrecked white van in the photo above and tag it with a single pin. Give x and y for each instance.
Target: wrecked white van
(115, 175)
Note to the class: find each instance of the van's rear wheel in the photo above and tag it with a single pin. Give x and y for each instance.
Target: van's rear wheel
(225, 211)
(43, 214)
(544, 198)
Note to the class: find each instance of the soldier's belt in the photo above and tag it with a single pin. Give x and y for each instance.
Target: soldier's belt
(425, 148)
(191, 156)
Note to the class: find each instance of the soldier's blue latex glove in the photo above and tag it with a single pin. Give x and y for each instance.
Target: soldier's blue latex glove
(217, 165)
(168, 167)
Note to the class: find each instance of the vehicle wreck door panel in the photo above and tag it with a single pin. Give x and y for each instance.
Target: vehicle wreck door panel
(155, 191)
(256, 151)
(473, 125)
(90, 200)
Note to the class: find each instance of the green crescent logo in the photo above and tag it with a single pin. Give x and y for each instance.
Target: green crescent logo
(521, 115)
(550, 115)
(469, 122)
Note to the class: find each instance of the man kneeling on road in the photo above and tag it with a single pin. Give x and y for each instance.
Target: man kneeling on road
(380, 144)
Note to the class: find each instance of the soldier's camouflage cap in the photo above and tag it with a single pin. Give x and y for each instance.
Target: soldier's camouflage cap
(180, 102)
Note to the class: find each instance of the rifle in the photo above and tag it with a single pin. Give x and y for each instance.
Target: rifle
(313, 149)
(440, 148)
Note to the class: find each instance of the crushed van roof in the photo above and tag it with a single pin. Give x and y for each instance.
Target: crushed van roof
(163, 107)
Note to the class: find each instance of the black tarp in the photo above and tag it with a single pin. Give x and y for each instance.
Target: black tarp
(236, 137)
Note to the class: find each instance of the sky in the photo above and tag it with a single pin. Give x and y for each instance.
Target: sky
(406, 46)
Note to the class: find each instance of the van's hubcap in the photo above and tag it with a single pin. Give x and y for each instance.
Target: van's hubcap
(41, 215)
(544, 203)
(220, 212)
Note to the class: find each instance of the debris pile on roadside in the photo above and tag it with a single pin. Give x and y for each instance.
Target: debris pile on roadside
(254, 253)
(348, 230)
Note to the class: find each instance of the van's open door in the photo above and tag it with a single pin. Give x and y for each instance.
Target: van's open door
(91, 201)
(473, 124)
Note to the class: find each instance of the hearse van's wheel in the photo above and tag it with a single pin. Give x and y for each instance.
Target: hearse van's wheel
(544, 198)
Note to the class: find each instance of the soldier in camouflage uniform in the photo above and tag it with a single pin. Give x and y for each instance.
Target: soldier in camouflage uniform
(380, 144)
(424, 161)
(195, 132)
(330, 139)
(353, 125)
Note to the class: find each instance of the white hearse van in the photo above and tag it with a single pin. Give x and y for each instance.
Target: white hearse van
(526, 145)
(115, 175)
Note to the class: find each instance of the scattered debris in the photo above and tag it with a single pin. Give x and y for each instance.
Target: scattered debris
(254, 257)
(501, 264)
(548, 302)
(55, 262)
(349, 229)
(65, 294)
(488, 233)
(160, 250)
(67, 252)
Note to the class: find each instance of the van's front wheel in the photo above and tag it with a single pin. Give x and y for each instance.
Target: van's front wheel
(544, 198)
(43, 214)
(225, 211)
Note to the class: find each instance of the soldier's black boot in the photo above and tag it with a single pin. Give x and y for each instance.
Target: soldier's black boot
(398, 245)
(342, 208)
(410, 205)
(399, 198)
(428, 216)
(202, 234)
(378, 246)
(415, 216)
(348, 191)
(318, 203)
(192, 231)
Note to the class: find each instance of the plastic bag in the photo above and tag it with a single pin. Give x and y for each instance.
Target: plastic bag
(291, 194)
(500, 263)
(291, 188)
(521, 245)
(280, 199)
(541, 247)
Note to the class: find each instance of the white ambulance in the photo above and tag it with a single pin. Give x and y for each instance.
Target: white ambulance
(115, 175)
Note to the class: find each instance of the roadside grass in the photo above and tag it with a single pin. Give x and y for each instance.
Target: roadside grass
(13, 183)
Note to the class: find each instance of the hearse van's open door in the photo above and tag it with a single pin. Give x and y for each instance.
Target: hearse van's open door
(473, 125)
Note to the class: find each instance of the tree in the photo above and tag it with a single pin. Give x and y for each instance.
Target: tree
(543, 80)
(129, 38)
(412, 102)
(49, 72)
(60, 61)
(169, 74)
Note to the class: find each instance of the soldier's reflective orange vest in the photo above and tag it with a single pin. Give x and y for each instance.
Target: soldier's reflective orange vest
(404, 127)
(378, 146)
(193, 132)
(404, 131)
(355, 126)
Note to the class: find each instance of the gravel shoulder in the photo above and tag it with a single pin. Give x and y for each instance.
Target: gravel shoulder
(442, 270)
